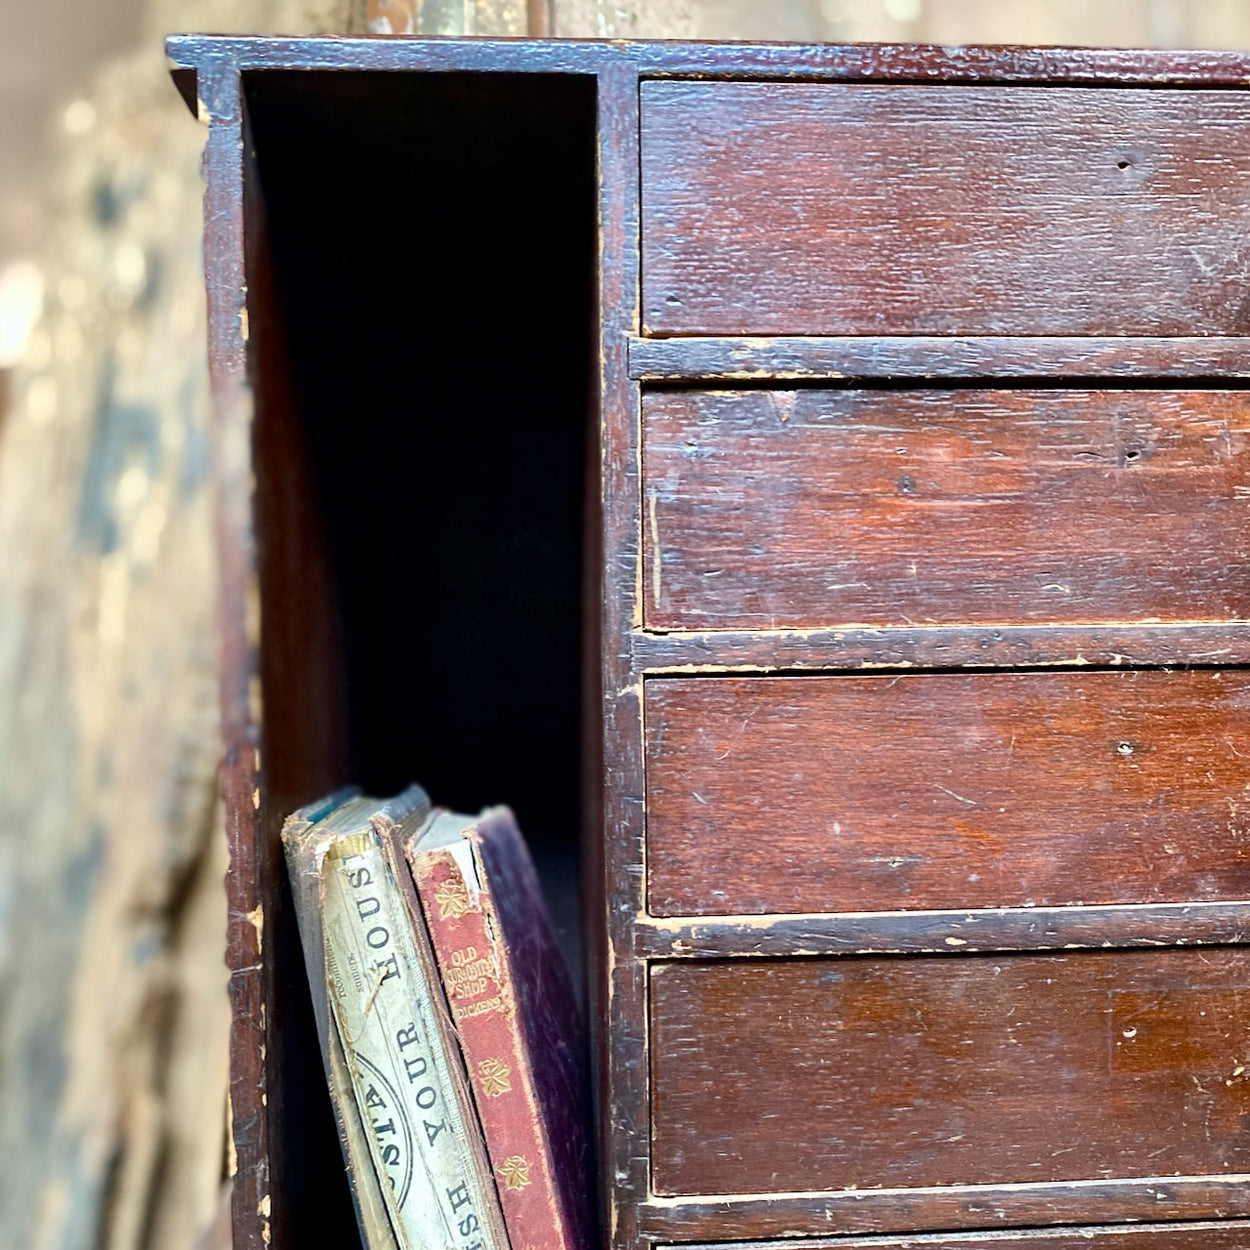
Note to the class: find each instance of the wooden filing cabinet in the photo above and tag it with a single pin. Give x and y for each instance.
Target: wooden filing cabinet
(916, 767)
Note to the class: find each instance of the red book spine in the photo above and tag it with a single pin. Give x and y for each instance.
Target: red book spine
(474, 964)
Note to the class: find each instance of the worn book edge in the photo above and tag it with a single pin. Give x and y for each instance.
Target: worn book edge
(404, 1111)
(303, 868)
(473, 950)
(482, 1216)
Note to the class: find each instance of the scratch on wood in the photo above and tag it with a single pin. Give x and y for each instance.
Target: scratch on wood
(655, 547)
(256, 918)
(232, 1153)
(958, 797)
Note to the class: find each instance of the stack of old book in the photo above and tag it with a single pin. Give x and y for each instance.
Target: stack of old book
(447, 1023)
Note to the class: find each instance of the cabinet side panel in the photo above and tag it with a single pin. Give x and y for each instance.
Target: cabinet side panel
(246, 953)
(620, 977)
(303, 745)
(280, 701)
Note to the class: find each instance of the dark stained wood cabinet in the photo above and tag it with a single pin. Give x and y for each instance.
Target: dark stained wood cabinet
(902, 208)
(930, 1072)
(771, 509)
(950, 791)
(822, 475)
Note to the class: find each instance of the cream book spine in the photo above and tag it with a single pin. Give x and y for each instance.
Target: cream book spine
(389, 1018)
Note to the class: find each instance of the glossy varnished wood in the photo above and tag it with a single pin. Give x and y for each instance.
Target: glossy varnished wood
(934, 1071)
(914, 792)
(803, 509)
(785, 208)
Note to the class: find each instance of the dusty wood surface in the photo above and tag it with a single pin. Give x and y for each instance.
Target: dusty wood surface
(941, 932)
(732, 1217)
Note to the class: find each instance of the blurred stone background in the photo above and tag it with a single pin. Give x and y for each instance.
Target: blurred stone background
(113, 1012)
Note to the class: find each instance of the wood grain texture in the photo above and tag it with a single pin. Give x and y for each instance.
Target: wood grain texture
(941, 932)
(771, 509)
(811, 794)
(934, 356)
(778, 208)
(935, 1071)
(613, 691)
(1208, 1235)
(619, 653)
(908, 63)
(745, 1217)
(251, 881)
(1120, 645)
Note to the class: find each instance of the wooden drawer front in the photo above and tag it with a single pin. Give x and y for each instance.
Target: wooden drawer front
(804, 509)
(1205, 1235)
(790, 208)
(819, 1074)
(848, 793)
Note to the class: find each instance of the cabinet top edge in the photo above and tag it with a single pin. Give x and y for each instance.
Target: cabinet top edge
(194, 54)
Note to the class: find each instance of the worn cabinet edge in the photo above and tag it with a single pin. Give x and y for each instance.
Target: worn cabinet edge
(929, 358)
(737, 1218)
(927, 932)
(931, 63)
(1215, 1235)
